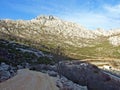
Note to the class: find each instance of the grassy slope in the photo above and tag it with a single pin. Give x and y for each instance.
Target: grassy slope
(100, 50)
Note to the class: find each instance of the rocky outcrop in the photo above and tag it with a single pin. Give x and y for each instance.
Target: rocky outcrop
(64, 84)
(6, 72)
(115, 40)
(18, 54)
(88, 75)
(102, 32)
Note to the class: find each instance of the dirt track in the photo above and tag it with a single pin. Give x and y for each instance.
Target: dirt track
(29, 80)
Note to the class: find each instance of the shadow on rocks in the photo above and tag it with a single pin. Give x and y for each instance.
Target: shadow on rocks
(86, 74)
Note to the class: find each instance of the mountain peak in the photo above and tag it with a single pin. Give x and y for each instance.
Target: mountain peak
(47, 17)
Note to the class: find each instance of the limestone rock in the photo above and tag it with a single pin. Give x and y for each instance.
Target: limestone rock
(115, 40)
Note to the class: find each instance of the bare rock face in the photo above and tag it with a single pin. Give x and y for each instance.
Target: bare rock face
(115, 40)
(87, 75)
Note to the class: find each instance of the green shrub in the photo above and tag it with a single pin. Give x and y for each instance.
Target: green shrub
(3, 60)
(45, 60)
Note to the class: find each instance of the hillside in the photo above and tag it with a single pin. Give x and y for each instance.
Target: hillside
(53, 35)
(50, 32)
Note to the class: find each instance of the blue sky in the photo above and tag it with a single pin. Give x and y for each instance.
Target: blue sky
(89, 13)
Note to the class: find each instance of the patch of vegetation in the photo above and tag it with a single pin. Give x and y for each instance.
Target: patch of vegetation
(99, 47)
(3, 60)
(45, 60)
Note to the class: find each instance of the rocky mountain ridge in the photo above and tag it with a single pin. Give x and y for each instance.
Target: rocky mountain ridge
(50, 32)
(59, 25)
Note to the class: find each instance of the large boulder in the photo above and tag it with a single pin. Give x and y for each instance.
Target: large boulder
(87, 75)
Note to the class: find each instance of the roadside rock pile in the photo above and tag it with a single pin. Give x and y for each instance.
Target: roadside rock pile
(64, 84)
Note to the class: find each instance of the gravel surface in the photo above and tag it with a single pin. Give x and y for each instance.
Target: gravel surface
(29, 80)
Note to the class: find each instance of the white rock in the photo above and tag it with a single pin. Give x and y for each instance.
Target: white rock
(107, 67)
(4, 66)
(115, 40)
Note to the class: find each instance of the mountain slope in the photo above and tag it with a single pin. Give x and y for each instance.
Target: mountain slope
(48, 33)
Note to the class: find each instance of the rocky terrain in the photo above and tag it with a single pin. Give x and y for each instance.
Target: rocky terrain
(14, 56)
(89, 75)
(6, 72)
(51, 45)
(48, 33)
(66, 75)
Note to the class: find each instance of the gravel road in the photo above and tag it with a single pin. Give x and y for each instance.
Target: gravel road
(29, 80)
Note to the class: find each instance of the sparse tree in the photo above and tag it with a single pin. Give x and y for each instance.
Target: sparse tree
(51, 17)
